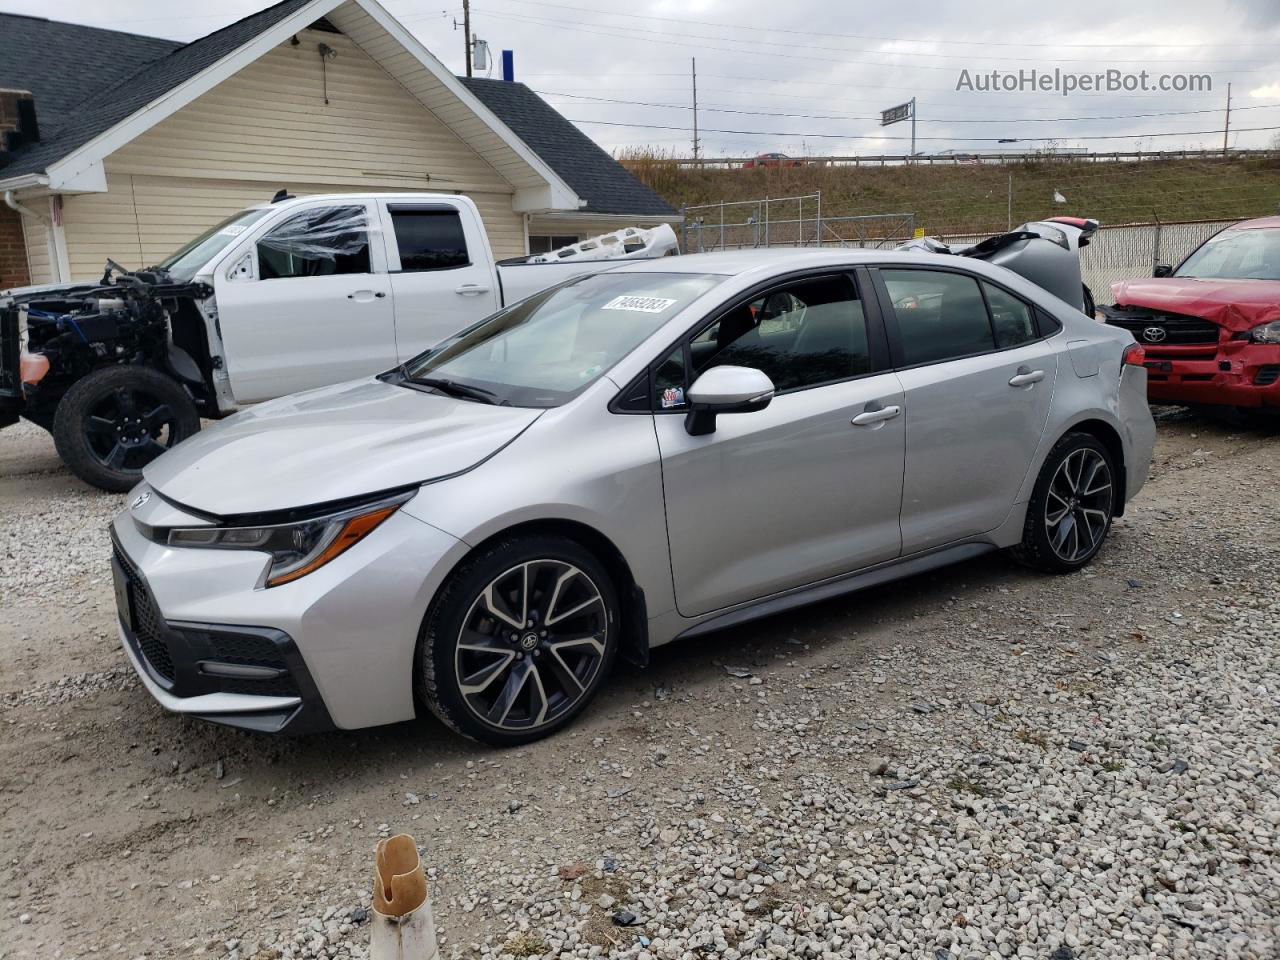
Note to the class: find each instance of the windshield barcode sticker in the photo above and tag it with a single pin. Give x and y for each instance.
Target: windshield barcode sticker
(233, 230)
(639, 304)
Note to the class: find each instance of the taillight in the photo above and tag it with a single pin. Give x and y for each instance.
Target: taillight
(1134, 355)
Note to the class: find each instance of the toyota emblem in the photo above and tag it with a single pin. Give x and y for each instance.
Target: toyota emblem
(1154, 334)
(140, 499)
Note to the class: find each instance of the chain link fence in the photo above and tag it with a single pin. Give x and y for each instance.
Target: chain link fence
(786, 222)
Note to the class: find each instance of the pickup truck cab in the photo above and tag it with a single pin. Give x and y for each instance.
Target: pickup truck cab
(298, 293)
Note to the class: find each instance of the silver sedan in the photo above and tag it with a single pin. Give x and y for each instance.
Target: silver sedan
(650, 453)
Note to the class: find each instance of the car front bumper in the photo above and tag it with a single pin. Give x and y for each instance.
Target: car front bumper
(332, 649)
(1232, 373)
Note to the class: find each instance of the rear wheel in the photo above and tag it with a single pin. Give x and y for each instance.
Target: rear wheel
(1071, 506)
(115, 421)
(519, 640)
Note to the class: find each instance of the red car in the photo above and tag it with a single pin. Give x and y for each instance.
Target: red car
(772, 160)
(1211, 327)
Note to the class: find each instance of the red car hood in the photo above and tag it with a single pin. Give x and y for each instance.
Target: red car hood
(1234, 304)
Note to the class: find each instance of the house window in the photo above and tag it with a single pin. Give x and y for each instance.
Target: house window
(545, 243)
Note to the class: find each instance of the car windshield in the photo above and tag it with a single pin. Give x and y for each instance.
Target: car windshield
(547, 349)
(184, 264)
(1236, 254)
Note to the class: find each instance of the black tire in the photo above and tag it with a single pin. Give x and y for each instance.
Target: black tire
(1049, 546)
(498, 662)
(1090, 308)
(115, 421)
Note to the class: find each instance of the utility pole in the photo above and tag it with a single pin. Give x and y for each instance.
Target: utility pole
(1226, 128)
(694, 64)
(466, 32)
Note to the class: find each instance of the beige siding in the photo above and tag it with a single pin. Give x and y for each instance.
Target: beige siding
(36, 235)
(270, 122)
(268, 127)
(505, 228)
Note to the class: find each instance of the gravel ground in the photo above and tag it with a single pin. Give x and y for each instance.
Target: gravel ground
(975, 763)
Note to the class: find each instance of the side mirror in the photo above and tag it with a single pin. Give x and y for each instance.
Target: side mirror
(1162, 270)
(725, 390)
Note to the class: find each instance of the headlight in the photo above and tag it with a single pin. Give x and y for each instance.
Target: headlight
(1267, 333)
(298, 548)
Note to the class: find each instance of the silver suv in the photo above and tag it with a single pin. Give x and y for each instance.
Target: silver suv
(654, 452)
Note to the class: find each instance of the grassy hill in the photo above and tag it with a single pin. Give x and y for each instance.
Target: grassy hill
(976, 198)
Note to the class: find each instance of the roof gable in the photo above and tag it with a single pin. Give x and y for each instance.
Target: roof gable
(606, 185)
(71, 158)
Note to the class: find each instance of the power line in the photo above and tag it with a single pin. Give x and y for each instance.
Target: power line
(820, 116)
(1127, 44)
(666, 40)
(842, 136)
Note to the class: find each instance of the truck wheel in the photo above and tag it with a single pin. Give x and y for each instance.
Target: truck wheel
(115, 421)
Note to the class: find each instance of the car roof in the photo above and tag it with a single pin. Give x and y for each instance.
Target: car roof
(735, 262)
(1258, 223)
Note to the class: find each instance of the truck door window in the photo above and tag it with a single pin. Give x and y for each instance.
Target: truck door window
(429, 239)
(316, 243)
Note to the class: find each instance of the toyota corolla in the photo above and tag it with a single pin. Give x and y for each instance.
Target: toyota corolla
(651, 453)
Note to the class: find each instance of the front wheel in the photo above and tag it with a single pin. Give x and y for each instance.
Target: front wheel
(1071, 506)
(115, 421)
(519, 640)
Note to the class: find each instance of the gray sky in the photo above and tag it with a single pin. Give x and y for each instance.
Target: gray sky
(809, 77)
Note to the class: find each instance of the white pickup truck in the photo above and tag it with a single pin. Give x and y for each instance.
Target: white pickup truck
(281, 297)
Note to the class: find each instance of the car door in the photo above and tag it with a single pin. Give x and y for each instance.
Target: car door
(978, 374)
(441, 277)
(808, 487)
(306, 303)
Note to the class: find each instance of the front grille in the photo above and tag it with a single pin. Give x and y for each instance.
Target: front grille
(1266, 376)
(256, 651)
(1163, 329)
(148, 627)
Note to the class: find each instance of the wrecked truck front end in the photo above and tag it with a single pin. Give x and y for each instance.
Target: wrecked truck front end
(113, 370)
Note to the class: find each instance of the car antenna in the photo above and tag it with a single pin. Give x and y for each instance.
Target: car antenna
(282, 194)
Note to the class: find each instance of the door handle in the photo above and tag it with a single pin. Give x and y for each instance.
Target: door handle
(470, 289)
(878, 415)
(1026, 377)
(364, 296)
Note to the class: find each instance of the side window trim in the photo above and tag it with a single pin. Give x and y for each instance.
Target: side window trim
(891, 317)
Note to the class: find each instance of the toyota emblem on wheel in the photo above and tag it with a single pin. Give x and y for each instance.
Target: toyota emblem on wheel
(1154, 334)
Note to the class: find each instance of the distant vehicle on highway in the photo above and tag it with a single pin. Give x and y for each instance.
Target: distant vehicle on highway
(1211, 326)
(668, 448)
(772, 160)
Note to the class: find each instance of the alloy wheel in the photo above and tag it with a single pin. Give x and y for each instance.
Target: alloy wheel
(531, 644)
(1078, 507)
(128, 429)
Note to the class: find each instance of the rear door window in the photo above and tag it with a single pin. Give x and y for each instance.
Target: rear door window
(941, 315)
(1011, 319)
(429, 238)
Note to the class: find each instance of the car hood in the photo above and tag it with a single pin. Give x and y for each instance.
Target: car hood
(1235, 304)
(330, 444)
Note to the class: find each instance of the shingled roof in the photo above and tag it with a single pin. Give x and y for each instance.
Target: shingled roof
(64, 64)
(125, 91)
(594, 175)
